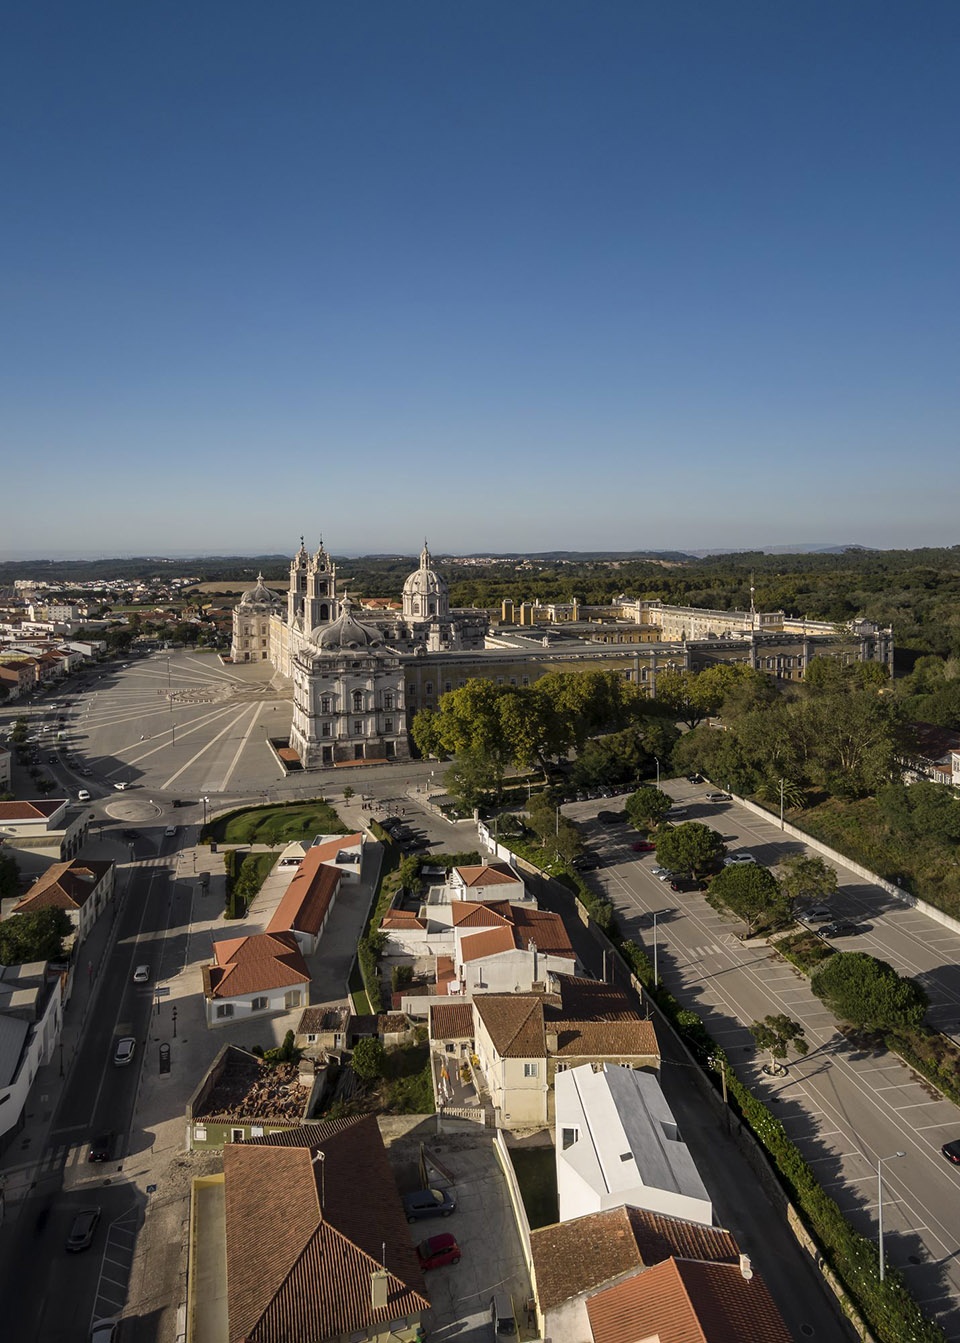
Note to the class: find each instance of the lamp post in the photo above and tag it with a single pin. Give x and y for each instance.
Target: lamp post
(204, 800)
(657, 758)
(173, 1014)
(782, 781)
(880, 1160)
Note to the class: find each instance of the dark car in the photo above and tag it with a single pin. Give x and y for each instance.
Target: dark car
(694, 778)
(130, 835)
(587, 862)
(84, 1229)
(951, 1150)
(438, 1250)
(644, 846)
(611, 817)
(101, 1149)
(428, 1203)
(685, 884)
(839, 928)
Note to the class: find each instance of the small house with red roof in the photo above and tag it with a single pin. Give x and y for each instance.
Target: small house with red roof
(81, 888)
(253, 976)
(308, 901)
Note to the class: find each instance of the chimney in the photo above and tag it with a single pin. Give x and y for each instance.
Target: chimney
(378, 1288)
(746, 1268)
(552, 1042)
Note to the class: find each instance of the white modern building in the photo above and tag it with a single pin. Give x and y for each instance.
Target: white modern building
(31, 1012)
(617, 1142)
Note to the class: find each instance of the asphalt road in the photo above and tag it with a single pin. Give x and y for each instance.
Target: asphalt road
(47, 1292)
(845, 1107)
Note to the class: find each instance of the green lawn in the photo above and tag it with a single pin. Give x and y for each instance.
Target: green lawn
(536, 1169)
(276, 825)
(408, 1086)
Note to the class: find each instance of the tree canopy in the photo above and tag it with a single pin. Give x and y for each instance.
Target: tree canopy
(752, 893)
(868, 992)
(34, 937)
(690, 847)
(776, 1033)
(647, 807)
(803, 876)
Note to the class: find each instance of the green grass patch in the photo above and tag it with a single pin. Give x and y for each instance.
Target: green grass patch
(408, 1086)
(278, 824)
(536, 1169)
(804, 950)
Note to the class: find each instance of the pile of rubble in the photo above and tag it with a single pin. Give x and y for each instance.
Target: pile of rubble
(255, 1090)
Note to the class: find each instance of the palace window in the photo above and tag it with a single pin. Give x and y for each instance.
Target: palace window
(325, 704)
(358, 729)
(358, 701)
(388, 700)
(388, 725)
(324, 729)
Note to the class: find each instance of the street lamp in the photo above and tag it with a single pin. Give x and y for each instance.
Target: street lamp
(782, 781)
(880, 1161)
(204, 800)
(173, 1014)
(658, 770)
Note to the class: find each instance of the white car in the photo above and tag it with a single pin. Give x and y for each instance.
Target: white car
(734, 859)
(665, 875)
(141, 975)
(121, 786)
(659, 871)
(124, 1051)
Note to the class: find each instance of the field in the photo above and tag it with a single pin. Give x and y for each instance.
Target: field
(276, 825)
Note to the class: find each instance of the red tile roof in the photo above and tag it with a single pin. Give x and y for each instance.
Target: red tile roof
(451, 1021)
(514, 1023)
(468, 914)
(307, 899)
(605, 1039)
(680, 1301)
(488, 874)
(30, 811)
(328, 850)
(488, 942)
(304, 1236)
(402, 918)
(254, 964)
(545, 929)
(582, 1254)
(64, 886)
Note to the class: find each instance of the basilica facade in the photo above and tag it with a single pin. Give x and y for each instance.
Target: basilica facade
(347, 666)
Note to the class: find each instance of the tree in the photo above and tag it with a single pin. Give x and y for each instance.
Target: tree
(868, 992)
(468, 779)
(776, 1033)
(690, 847)
(369, 1059)
(9, 876)
(677, 691)
(752, 893)
(34, 937)
(804, 876)
(647, 807)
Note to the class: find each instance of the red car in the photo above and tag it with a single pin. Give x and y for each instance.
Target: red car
(644, 846)
(437, 1251)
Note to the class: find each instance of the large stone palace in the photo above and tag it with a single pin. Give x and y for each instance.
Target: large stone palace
(360, 673)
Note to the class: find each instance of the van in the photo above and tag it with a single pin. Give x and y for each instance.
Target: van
(502, 1317)
(83, 795)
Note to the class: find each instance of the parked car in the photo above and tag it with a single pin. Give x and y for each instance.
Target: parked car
(428, 1203)
(734, 859)
(840, 928)
(141, 975)
(818, 914)
(659, 871)
(611, 817)
(686, 884)
(170, 831)
(84, 1229)
(694, 778)
(664, 874)
(675, 813)
(103, 1331)
(125, 1050)
(121, 786)
(101, 1149)
(644, 846)
(951, 1150)
(587, 862)
(718, 797)
(438, 1250)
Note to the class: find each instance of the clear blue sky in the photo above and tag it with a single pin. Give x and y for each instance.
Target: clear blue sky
(519, 274)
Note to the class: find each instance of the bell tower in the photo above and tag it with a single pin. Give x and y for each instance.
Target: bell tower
(298, 585)
(321, 605)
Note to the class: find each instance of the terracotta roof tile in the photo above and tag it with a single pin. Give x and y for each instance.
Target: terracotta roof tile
(488, 874)
(31, 810)
(545, 929)
(64, 886)
(582, 1254)
(303, 1236)
(401, 918)
(250, 964)
(591, 1000)
(680, 1301)
(451, 1021)
(328, 850)
(468, 914)
(611, 1039)
(307, 899)
(514, 1023)
(489, 942)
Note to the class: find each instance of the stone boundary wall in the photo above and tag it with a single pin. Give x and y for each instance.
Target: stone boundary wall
(516, 1198)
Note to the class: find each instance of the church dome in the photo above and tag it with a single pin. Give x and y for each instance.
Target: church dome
(425, 593)
(346, 632)
(261, 595)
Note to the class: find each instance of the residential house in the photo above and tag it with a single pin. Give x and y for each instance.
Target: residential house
(6, 769)
(303, 1239)
(681, 1299)
(521, 1041)
(488, 881)
(82, 888)
(40, 831)
(308, 901)
(31, 1014)
(264, 972)
(617, 1142)
(572, 1259)
(20, 675)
